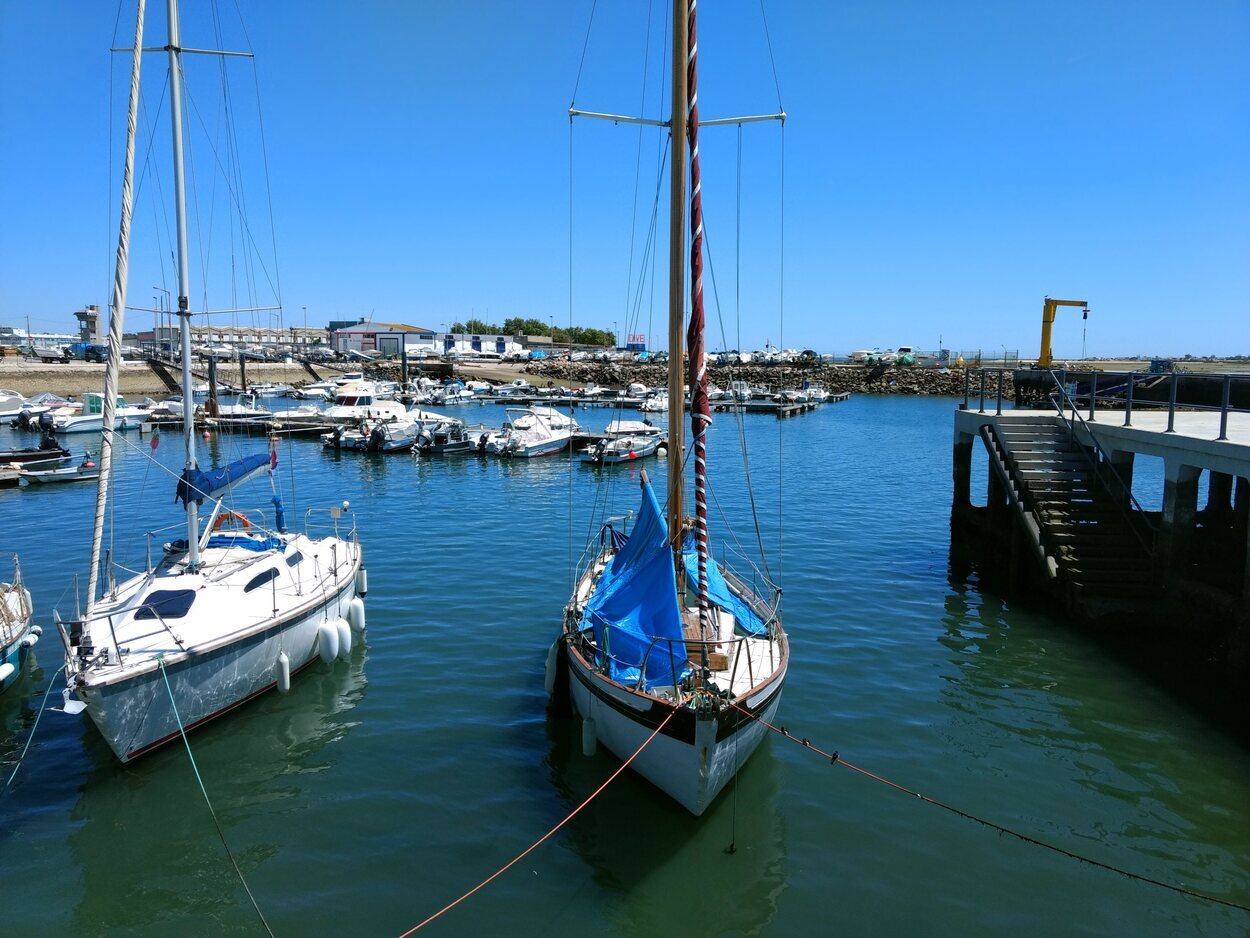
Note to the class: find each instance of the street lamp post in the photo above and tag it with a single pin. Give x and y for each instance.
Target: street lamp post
(615, 343)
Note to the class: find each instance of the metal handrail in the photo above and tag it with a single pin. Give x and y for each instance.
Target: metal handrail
(1106, 460)
(1021, 500)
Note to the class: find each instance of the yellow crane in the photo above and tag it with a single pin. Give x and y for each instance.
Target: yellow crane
(1049, 307)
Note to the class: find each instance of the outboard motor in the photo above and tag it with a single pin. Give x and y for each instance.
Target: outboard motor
(46, 423)
(338, 437)
(600, 448)
(425, 439)
(481, 442)
(377, 436)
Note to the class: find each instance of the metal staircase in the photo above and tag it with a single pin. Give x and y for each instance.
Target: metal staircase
(1075, 516)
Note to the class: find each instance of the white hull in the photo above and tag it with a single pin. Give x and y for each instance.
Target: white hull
(691, 772)
(94, 423)
(134, 716)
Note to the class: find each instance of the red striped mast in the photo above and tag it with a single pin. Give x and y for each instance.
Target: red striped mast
(700, 411)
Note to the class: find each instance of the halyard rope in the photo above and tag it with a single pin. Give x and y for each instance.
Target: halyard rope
(541, 840)
(835, 759)
(204, 792)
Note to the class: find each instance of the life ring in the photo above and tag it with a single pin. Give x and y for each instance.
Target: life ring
(225, 516)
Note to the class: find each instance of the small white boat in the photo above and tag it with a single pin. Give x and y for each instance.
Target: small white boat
(612, 450)
(271, 390)
(619, 428)
(515, 388)
(87, 469)
(353, 403)
(637, 389)
(532, 432)
(11, 403)
(655, 403)
(91, 418)
(17, 635)
(374, 436)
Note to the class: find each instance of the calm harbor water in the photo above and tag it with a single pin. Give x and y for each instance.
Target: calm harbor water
(378, 790)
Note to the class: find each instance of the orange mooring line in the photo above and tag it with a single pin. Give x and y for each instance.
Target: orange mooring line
(539, 842)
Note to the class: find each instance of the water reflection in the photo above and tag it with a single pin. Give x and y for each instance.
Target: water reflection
(144, 842)
(659, 869)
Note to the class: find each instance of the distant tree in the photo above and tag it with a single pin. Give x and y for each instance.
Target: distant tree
(479, 326)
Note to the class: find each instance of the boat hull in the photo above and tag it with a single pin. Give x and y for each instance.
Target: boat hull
(694, 756)
(135, 717)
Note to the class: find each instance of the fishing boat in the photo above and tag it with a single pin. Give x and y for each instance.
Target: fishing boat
(17, 635)
(669, 658)
(54, 470)
(231, 609)
(611, 450)
(531, 432)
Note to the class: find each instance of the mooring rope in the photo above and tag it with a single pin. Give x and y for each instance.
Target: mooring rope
(43, 706)
(835, 759)
(541, 840)
(204, 792)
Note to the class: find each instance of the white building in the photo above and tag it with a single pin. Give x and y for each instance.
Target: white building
(387, 338)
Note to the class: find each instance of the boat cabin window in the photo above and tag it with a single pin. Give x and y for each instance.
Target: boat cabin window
(261, 579)
(166, 604)
(294, 559)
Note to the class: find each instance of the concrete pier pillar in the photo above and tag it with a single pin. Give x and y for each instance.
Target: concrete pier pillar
(1180, 511)
(1119, 466)
(961, 473)
(1219, 499)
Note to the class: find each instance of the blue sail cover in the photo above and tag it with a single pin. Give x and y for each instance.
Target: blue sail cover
(636, 602)
(718, 592)
(201, 484)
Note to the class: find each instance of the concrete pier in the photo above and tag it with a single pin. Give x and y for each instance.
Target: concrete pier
(1059, 499)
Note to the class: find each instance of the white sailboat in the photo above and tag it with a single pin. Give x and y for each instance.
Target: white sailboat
(231, 610)
(17, 635)
(657, 636)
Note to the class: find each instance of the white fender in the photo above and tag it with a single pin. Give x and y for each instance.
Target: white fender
(284, 672)
(589, 739)
(29, 640)
(345, 638)
(356, 614)
(362, 581)
(553, 660)
(327, 642)
(37, 629)
(5, 671)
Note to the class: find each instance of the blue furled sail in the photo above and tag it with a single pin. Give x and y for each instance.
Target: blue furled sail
(636, 603)
(719, 594)
(200, 484)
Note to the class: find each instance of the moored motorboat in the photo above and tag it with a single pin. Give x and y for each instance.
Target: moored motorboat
(53, 471)
(90, 420)
(532, 432)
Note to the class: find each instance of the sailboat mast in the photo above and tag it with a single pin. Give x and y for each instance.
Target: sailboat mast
(184, 289)
(116, 315)
(676, 278)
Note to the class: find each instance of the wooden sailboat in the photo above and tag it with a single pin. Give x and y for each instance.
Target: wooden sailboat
(656, 634)
(229, 611)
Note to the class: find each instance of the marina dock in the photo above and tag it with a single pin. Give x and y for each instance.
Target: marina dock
(1060, 505)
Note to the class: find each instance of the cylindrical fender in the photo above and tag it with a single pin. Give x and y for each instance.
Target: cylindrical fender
(356, 614)
(327, 642)
(284, 672)
(345, 639)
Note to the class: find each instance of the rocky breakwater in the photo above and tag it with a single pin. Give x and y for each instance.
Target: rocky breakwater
(856, 379)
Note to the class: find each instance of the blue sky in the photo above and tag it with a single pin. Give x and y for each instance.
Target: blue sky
(946, 165)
